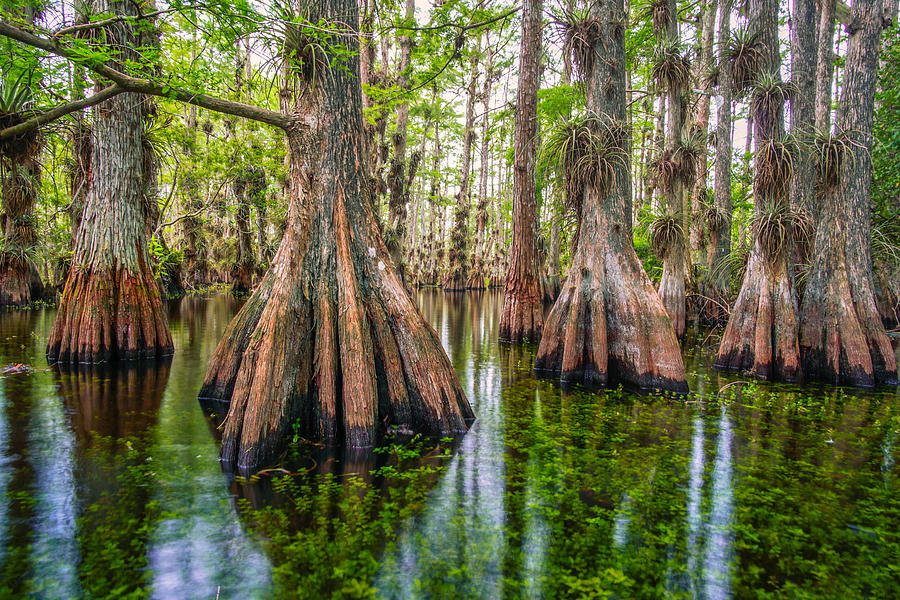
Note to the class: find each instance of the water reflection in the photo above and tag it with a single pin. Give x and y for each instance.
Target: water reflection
(717, 559)
(110, 479)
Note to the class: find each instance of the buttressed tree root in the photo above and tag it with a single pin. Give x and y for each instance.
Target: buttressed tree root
(608, 323)
(330, 340)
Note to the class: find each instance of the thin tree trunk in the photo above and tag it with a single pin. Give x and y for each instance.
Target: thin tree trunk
(842, 337)
(522, 316)
(701, 125)
(803, 73)
(478, 274)
(718, 221)
(672, 281)
(824, 64)
(608, 323)
(330, 340)
(458, 268)
(401, 174)
(111, 306)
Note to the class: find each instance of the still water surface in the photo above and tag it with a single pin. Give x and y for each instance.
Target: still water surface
(110, 485)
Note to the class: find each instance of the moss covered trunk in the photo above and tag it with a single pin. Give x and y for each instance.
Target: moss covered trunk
(330, 340)
(608, 323)
(458, 267)
(522, 316)
(111, 306)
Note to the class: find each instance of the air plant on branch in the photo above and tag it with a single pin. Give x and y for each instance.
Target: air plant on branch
(688, 153)
(661, 15)
(304, 46)
(774, 226)
(768, 96)
(16, 98)
(663, 170)
(585, 150)
(666, 233)
(831, 149)
(747, 57)
(774, 167)
(671, 70)
(580, 33)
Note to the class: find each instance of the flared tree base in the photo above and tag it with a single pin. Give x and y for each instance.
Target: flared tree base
(20, 282)
(454, 283)
(331, 345)
(608, 326)
(477, 280)
(761, 336)
(842, 338)
(110, 314)
(522, 316)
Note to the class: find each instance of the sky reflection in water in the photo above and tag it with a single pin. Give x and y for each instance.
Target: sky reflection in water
(779, 490)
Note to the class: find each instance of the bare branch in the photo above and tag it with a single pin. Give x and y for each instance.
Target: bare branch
(109, 21)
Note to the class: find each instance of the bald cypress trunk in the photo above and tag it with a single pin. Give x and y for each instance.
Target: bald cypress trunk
(478, 274)
(522, 316)
(675, 255)
(701, 125)
(458, 268)
(401, 174)
(111, 306)
(608, 323)
(718, 220)
(761, 335)
(20, 282)
(842, 337)
(803, 73)
(330, 340)
(824, 63)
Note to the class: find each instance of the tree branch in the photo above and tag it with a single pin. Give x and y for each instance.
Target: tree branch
(153, 88)
(60, 111)
(109, 21)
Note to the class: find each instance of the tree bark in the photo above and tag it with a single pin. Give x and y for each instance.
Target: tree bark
(111, 306)
(20, 281)
(803, 73)
(718, 221)
(330, 339)
(842, 337)
(701, 124)
(458, 268)
(672, 281)
(761, 335)
(824, 64)
(522, 316)
(608, 323)
(478, 275)
(401, 174)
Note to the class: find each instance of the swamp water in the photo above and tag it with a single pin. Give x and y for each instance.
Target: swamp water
(110, 485)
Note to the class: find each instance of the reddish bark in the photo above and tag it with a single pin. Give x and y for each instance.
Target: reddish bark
(608, 323)
(842, 335)
(111, 306)
(761, 335)
(330, 339)
(522, 316)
